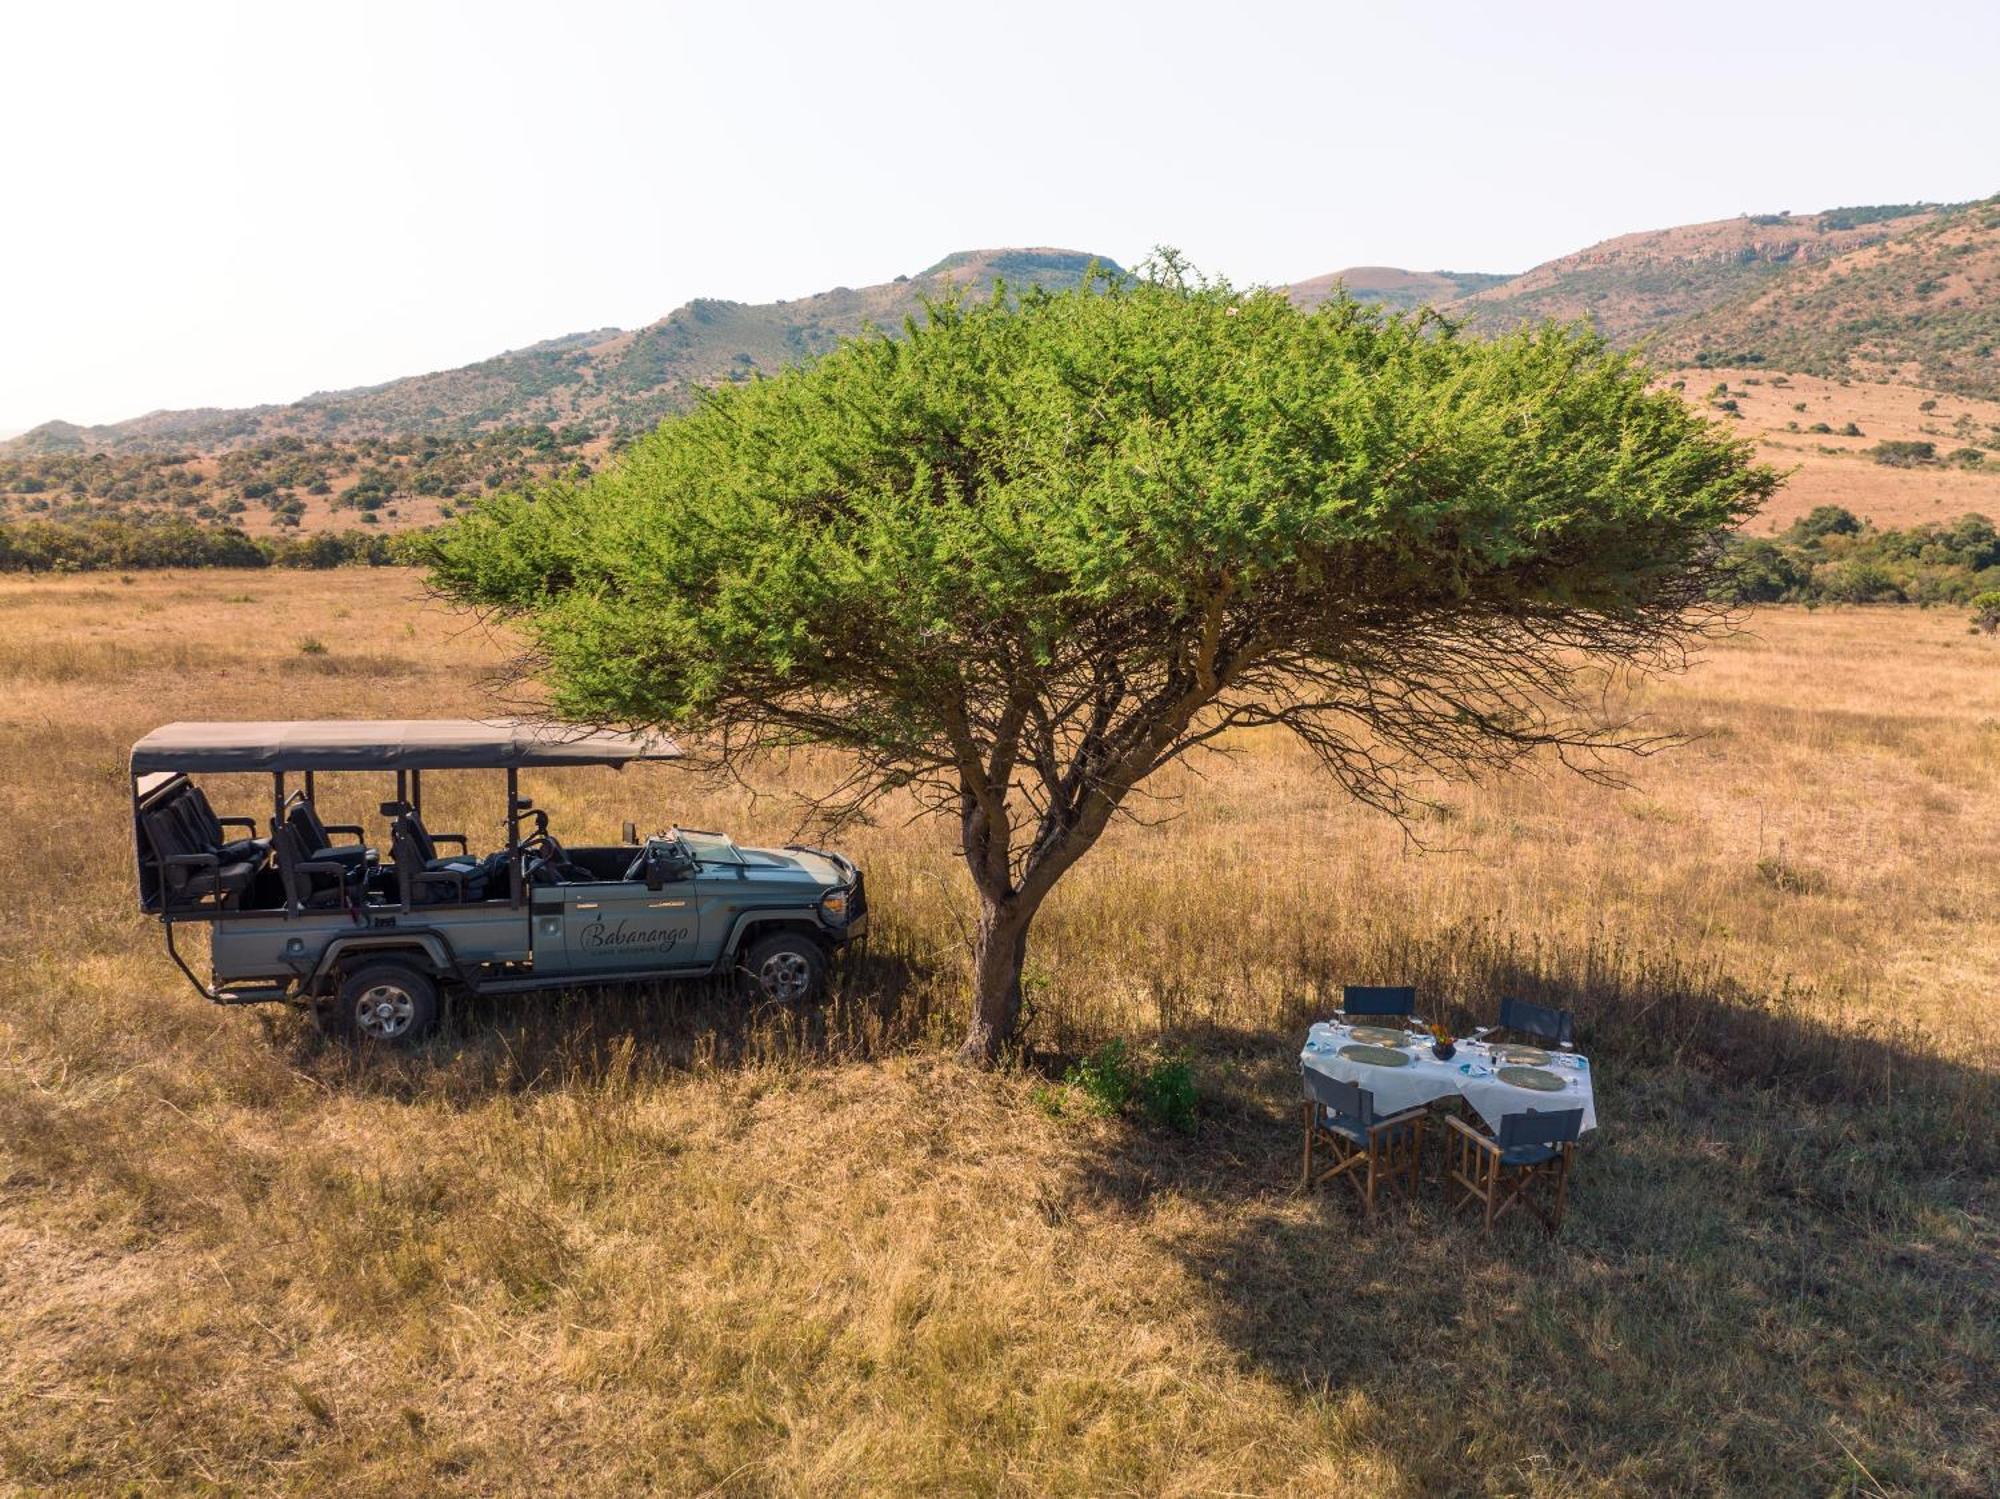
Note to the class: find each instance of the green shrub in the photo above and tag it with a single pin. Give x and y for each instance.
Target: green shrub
(1986, 612)
(1825, 520)
(1899, 453)
(1106, 1078)
(1167, 1094)
(1110, 1080)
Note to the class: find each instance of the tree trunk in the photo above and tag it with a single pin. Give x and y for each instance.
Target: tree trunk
(998, 950)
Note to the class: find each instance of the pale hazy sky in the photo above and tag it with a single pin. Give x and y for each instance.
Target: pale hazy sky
(220, 204)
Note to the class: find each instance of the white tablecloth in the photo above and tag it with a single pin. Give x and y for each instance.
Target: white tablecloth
(1468, 1075)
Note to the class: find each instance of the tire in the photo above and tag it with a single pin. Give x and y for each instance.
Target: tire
(785, 968)
(386, 1004)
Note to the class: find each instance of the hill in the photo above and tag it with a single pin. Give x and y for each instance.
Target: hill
(1639, 284)
(1921, 307)
(610, 380)
(1392, 287)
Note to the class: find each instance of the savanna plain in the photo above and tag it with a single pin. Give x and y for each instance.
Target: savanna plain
(618, 1242)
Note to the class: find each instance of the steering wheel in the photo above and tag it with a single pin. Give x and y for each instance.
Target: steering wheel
(541, 844)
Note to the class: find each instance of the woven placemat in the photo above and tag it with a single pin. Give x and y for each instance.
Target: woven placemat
(1377, 1056)
(1378, 1035)
(1527, 1056)
(1531, 1077)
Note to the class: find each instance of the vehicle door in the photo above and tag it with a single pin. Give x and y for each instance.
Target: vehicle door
(618, 926)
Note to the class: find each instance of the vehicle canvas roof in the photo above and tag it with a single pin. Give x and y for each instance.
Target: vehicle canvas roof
(388, 744)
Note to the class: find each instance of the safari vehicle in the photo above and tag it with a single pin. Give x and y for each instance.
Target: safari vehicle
(312, 914)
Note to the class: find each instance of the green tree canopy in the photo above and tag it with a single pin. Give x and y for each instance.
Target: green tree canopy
(1020, 557)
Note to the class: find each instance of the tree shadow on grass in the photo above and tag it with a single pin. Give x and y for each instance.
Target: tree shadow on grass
(878, 1000)
(1780, 1272)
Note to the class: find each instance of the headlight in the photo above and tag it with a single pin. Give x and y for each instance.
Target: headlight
(833, 905)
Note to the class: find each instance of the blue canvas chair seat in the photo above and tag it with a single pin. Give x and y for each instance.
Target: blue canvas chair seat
(1501, 1172)
(1367, 1151)
(1537, 1022)
(1378, 999)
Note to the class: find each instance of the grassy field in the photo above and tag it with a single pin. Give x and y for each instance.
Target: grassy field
(612, 1244)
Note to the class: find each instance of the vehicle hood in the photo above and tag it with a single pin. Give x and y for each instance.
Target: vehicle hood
(802, 867)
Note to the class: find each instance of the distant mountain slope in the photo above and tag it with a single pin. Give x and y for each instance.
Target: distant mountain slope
(1638, 284)
(610, 380)
(1922, 308)
(1392, 287)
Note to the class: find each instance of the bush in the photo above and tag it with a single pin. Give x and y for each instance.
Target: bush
(1110, 1080)
(1856, 582)
(1106, 1078)
(1898, 453)
(1168, 1096)
(1826, 520)
(1986, 612)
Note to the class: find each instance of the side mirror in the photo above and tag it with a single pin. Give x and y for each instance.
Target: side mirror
(393, 809)
(656, 878)
(632, 833)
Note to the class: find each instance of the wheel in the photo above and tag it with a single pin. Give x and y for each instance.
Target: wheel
(784, 968)
(389, 1003)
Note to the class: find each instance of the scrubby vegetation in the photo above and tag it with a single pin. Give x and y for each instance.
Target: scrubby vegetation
(367, 475)
(1830, 556)
(113, 543)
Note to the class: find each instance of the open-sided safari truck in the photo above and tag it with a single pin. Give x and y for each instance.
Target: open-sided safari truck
(315, 914)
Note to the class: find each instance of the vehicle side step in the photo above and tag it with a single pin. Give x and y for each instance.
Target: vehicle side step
(588, 980)
(250, 996)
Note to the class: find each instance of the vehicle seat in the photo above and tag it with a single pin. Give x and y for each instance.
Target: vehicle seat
(427, 842)
(190, 871)
(313, 883)
(426, 881)
(316, 838)
(215, 835)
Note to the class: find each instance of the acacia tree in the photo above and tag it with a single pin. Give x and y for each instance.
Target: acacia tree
(1023, 556)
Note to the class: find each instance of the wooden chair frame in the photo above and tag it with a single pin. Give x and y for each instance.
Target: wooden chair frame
(1393, 1153)
(1473, 1166)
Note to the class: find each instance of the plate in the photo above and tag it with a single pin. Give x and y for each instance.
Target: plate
(1531, 1077)
(1378, 1056)
(1527, 1056)
(1379, 1035)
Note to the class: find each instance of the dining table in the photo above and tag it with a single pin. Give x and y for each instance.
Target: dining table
(1401, 1070)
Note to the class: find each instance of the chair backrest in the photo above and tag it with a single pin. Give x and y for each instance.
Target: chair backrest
(289, 851)
(1558, 1026)
(194, 834)
(426, 849)
(304, 819)
(412, 849)
(196, 801)
(1378, 999)
(1351, 1102)
(164, 832)
(1557, 1127)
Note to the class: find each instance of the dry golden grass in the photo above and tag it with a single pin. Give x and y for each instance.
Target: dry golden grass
(1829, 469)
(617, 1243)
